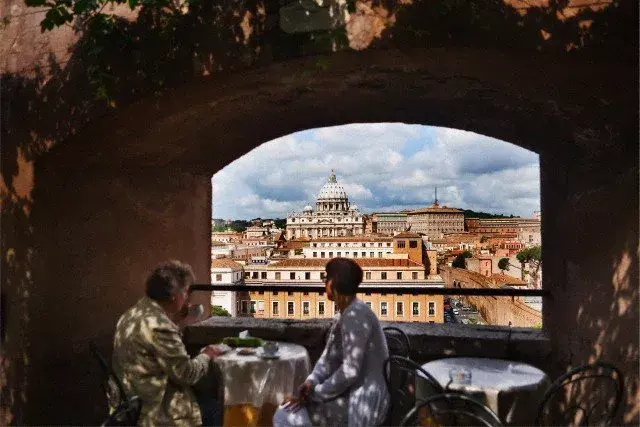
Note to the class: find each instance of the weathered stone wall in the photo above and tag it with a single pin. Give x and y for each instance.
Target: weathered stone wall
(99, 187)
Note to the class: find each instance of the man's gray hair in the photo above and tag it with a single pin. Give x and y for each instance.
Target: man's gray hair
(168, 279)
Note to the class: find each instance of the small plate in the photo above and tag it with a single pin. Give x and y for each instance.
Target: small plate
(270, 356)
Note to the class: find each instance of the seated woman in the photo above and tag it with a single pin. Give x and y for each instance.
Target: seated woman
(346, 386)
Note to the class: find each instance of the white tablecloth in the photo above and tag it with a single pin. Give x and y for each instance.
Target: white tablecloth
(256, 381)
(510, 389)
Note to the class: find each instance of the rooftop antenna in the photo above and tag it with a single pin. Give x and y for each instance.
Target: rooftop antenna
(436, 202)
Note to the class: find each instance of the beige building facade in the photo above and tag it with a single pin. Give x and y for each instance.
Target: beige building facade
(435, 221)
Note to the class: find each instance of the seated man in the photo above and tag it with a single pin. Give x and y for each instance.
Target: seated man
(150, 357)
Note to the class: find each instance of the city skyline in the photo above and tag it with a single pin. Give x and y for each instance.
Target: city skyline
(383, 167)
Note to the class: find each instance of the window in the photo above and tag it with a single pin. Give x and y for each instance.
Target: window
(364, 254)
(346, 254)
(305, 293)
(278, 275)
(367, 275)
(275, 293)
(305, 308)
(247, 274)
(321, 254)
(383, 308)
(432, 308)
(322, 275)
(307, 276)
(245, 307)
(320, 308)
(399, 275)
(252, 307)
(290, 293)
(275, 308)
(254, 275)
(339, 244)
(379, 254)
(355, 254)
(315, 254)
(383, 275)
(263, 275)
(290, 308)
(413, 244)
(335, 309)
(415, 310)
(292, 276)
(401, 244)
(218, 277)
(388, 245)
(339, 254)
(399, 308)
(414, 275)
(368, 304)
(372, 254)
(260, 292)
(330, 254)
(379, 245)
(364, 245)
(260, 306)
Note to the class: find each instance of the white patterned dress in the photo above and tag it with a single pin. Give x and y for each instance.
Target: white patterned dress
(349, 386)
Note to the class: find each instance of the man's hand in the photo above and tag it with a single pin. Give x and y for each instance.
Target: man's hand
(305, 390)
(212, 351)
(292, 404)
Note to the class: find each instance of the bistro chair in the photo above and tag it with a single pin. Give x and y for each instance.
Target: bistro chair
(397, 341)
(586, 395)
(451, 409)
(401, 375)
(124, 410)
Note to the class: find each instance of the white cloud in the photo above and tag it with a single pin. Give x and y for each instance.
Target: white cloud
(383, 166)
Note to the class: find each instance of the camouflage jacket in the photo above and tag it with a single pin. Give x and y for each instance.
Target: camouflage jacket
(152, 362)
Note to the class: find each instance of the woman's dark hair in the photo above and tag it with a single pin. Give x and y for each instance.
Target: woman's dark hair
(345, 275)
(168, 279)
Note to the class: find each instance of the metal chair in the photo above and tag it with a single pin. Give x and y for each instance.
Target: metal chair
(397, 341)
(401, 375)
(124, 410)
(586, 395)
(451, 409)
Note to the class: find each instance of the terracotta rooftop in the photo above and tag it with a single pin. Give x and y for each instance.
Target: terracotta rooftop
(225, 263)
(362, 262)
(407, 235)
(500, 279)
(435, 209)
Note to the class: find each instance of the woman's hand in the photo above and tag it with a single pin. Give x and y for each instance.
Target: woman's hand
(292, 404)
(305, 390)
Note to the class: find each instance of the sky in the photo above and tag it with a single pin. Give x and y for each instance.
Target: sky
(382, 167)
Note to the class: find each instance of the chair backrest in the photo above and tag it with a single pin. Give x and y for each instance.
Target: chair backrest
(451, 409)
(397, 341)
(586, 395)
(124, 410)
(407, 381)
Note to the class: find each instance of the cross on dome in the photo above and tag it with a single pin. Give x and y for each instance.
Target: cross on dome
(332, 177)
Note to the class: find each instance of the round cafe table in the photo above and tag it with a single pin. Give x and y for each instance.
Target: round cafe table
(510, 389)
(254, 387)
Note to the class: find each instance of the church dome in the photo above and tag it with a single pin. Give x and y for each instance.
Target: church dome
(353, 207)
(308, 208)
(332, 190)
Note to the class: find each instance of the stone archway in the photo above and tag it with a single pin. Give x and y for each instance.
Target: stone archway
(106, 212)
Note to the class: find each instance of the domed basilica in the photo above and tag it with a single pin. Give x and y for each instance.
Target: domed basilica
(333, 216)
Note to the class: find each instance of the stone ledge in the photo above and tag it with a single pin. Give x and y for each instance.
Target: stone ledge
(428, 341)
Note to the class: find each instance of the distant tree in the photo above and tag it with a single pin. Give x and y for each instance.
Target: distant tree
(280, 222)
(217, 310)
(531, 257)
(468, 213)
(459, 261)
(503, 264)
(483, 239)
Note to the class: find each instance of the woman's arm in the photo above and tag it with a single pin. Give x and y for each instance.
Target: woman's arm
(355, 337)
(325, 365)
